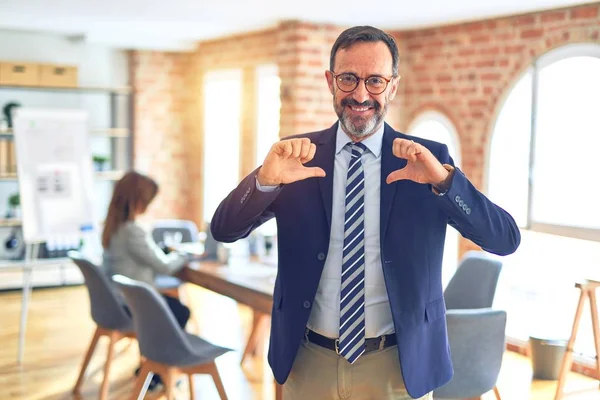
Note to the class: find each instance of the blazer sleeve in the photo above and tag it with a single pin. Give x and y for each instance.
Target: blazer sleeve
(143, 249)
(243, 210)
(475, 216)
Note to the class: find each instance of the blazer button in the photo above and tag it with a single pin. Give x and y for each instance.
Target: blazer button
(306, 304)
(461, 203)
(321, 256)
(457, 198)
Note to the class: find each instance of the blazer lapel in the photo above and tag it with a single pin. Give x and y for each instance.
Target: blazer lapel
(389, 163)
(324, 158)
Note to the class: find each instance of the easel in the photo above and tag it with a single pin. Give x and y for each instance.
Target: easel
(31, 253)
(588, 289)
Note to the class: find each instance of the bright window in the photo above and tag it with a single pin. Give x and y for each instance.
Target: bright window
(269, 108)
(542, 170)
(222, 113)
(435, 126)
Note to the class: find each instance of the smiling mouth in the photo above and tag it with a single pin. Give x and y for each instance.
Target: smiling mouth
(360, 109)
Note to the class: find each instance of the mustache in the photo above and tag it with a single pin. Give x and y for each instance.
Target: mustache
(351, 102)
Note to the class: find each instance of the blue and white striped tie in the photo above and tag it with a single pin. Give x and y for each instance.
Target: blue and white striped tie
(352, 297)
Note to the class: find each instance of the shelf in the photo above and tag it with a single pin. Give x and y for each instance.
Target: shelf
(123, 90)
(10, 222)
(8, 176)
(19, 264)
(109, 175)
(102, 175)
(110, 132)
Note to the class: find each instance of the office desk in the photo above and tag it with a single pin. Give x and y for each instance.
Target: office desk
(249, 283)
(588, 290)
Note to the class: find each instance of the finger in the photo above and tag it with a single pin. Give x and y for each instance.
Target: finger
(315, 172)
(296, 148)
(312, 149)
(305, 149)
(285, 148)
(398, 175)
(413, 150)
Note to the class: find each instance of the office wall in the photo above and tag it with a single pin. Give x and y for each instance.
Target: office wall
(462, 70)
(466, 71)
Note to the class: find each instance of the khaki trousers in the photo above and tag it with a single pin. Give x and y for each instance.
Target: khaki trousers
(320, 374)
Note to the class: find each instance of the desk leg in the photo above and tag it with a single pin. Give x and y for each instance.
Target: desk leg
(257, 336)
(568, 359)
(595, 326)
(278, 391)
(30, 252)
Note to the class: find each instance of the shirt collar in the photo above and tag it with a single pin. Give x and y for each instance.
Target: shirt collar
(373, 142)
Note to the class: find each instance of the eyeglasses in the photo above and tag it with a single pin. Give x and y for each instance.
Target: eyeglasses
(348, 82)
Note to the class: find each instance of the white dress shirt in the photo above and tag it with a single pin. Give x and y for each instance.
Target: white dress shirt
(325, 314)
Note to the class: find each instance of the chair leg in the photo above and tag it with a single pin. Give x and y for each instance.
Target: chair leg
(86, 360)
(214, 372)
(259, 325)
(169, 380)
(192, 388)
(114, 337)
(497, 393)
(141, 383)
(189, 302)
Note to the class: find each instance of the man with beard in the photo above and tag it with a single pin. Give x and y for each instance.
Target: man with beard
(361, 213)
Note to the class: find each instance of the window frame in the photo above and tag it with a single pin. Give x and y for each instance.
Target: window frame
(538, 64)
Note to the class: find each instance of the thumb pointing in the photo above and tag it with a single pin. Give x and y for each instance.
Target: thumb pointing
(397, 175)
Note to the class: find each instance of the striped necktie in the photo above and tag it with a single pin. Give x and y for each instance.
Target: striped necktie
(352, 297)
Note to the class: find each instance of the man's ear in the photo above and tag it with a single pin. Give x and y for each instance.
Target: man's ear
(394, 88)
(329, 77)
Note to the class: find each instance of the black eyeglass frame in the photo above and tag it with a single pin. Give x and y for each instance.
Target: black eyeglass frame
(358, 79)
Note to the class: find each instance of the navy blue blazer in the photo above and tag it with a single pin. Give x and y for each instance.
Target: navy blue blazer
(412, 229)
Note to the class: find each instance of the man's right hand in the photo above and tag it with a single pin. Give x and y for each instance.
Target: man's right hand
(285, 163)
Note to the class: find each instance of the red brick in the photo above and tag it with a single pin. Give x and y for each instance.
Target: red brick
(515, 49)
(485, 63)
(481, 39)
(491, 77)
(532, 33)
(553, 16)
(523, 20)
(584, 12)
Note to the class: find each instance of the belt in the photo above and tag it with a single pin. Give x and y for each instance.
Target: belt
(371, 344)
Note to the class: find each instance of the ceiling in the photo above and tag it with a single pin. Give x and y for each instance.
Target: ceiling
(178, 24)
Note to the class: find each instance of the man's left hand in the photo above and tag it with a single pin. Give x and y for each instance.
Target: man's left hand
(422, 166)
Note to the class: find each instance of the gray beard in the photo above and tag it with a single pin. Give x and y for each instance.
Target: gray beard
(361, 131)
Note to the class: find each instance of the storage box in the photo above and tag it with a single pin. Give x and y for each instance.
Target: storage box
(58, 76)
(19, 74)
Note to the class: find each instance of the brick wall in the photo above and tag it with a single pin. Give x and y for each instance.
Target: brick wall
(466, 71)
(160, 128)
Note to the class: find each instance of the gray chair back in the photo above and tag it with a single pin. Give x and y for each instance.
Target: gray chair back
(211, 246)
(187, 229)
(107, 308)
(477, 343)
(474, 282)
(160, 338)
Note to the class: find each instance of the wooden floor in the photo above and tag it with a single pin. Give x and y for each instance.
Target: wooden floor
(60, 329)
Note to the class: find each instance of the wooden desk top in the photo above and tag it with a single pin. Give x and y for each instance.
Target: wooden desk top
(589, 283)
(248, 283)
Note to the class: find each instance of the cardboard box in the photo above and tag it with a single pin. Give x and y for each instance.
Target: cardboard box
(58, 76)
(19, 74)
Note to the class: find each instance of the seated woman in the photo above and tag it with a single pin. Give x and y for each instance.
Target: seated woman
(128, 249)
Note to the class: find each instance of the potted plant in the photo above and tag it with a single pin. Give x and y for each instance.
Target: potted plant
(100, 162)
(14, 206)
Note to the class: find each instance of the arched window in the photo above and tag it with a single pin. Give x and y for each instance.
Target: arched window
(542, 170)
(433, 125)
